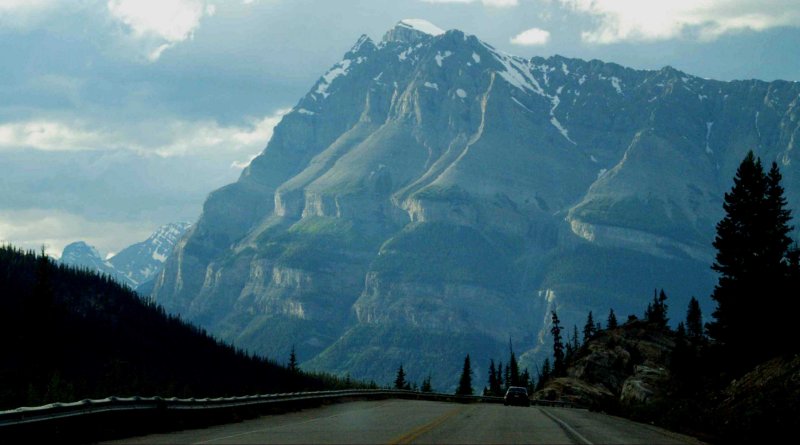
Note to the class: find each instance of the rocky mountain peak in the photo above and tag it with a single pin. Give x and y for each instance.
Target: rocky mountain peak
(164, 239)
(363, 46)
(668, 73)
(82, 255)
(139, 262)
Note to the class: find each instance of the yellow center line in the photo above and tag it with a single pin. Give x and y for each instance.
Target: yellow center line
(416, 432)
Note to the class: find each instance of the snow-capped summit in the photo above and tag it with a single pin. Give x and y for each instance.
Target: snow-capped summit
(142, 261)
(412, 30)
(421, 26)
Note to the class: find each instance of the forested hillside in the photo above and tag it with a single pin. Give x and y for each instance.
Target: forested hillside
(69, 334)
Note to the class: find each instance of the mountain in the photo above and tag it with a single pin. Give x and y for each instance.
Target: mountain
(81, 255)
(432, 196)
(68, 335)
(134, 265)
(142, 261)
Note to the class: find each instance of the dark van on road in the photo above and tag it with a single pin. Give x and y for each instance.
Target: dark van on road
(516, 395)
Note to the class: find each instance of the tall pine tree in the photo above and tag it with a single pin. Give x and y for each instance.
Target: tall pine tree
(400, 379)
(512, 368)
(656, 311)
(694, 321)
(292, 366)
(589, 328)
(494, 382)
(465, 382)
(501, 381)
(576, 343)
(612, 320)
(752, 260)
(559, 368)
(544, 374)
(426, 385)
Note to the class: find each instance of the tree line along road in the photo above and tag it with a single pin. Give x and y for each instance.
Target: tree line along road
(412, 421)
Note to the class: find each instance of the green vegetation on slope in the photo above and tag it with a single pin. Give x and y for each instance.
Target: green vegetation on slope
(590, 275)
(365, 350)
(437, 252)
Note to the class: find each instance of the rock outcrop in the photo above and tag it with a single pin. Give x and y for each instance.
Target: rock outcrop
(628, 365)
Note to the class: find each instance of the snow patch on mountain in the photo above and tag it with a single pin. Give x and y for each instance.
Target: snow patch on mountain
(545, 70)
(440, 58)
(360, 43)
(422, 26)
(521, 104)
(338, 70)
(615, 82)
(516, 72)
(708, 136)
(556, 101)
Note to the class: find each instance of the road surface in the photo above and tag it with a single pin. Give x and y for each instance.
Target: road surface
(413, 421)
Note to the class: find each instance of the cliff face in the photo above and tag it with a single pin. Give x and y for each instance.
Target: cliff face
(431, 190)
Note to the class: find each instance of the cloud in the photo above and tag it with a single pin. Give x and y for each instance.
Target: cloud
(21, 6)
(257, 136)
(195, 138)
(639, 20)
(54, 229)
(166, 139)
(48, 136)
(492, 3)
(145, 174)
(23, 14)
(531, 37)
(165, 22)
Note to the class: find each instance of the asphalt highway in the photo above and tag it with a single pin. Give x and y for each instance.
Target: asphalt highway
(411, 421)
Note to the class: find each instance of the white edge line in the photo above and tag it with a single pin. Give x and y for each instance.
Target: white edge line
(566, 427)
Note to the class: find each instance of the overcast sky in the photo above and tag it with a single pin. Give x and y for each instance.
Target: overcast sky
(117, 116)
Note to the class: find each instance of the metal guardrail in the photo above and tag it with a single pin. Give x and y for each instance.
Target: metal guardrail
(59, 413)
(86, 407)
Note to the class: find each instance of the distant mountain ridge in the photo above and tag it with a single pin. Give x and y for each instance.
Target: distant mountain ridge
(432, 196)
(134, 265)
